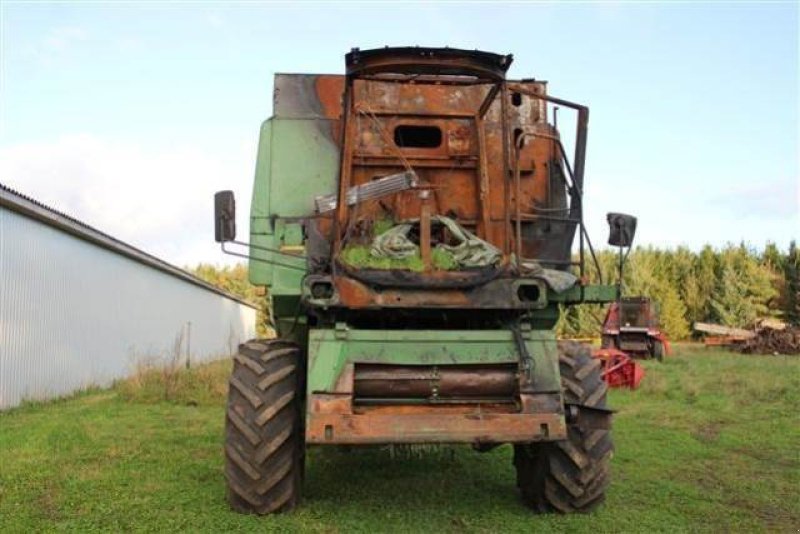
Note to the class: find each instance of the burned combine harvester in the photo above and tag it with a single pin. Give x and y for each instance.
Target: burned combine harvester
(414, 221)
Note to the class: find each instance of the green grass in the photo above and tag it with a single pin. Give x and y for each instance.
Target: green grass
(709, 443)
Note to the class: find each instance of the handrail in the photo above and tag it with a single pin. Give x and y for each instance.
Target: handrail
(575, 189)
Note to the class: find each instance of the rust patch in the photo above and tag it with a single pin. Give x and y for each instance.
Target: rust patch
(332, 419)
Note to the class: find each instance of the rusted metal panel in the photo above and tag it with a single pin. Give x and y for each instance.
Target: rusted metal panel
(496, 166)
(465, 162)
(308, 96)
(480, 293)
(433, 428)
(331, 419)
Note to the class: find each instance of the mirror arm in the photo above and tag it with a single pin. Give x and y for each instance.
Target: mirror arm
(594, 257)
(273, 262)
(265, 249)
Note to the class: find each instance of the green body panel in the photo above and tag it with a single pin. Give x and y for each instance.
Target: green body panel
(296, 163)
(597, 294)
(330, 350)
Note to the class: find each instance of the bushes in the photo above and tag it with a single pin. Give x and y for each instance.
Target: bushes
(202, 385)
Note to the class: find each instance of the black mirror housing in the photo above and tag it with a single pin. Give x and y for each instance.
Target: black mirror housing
(224, 216)
(622, 228)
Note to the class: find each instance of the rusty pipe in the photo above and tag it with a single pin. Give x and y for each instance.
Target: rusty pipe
(431, 381)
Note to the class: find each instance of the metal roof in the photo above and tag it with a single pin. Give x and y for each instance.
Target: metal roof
(16, 201)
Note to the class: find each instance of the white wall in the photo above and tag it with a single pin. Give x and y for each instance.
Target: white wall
(73, 314)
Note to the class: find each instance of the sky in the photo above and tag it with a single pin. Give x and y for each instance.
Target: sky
(130, 116)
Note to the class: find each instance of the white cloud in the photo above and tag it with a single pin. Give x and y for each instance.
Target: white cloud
(214, 20)
(160, 200)
(58, 44)
(62, 38)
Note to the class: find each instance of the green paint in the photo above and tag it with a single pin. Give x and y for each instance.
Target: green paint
(330, 350)
(590, 293)
(296, 162)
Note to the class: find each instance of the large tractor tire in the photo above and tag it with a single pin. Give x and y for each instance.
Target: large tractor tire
(264, 446)
(571, 475)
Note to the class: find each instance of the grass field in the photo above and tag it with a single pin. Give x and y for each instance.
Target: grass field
(711, 442)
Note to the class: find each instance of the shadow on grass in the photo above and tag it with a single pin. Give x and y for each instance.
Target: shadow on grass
(454, 478)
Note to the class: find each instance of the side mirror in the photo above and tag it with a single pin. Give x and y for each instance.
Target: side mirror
(224, 216)
(622, 228)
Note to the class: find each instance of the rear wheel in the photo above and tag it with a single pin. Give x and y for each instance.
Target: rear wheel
(264, 446)
(658, 350)
(571, 475)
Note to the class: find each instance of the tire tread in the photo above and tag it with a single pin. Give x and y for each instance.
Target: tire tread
(263, 428)
(571, 475)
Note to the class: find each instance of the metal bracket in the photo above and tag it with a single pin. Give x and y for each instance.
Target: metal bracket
(589, 417)
(267, 249)
(340, 330)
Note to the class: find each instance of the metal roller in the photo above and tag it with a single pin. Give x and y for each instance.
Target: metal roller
(435, 382)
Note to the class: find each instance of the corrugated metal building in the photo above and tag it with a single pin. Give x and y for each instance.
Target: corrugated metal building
(79, 308)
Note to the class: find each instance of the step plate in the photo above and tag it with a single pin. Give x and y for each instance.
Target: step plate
(331, 419)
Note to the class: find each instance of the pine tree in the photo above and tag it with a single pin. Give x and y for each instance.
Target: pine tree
(776, 263)
(705, 274)
(792, 277)
(729, 303)
(744, 287)
(672, 313)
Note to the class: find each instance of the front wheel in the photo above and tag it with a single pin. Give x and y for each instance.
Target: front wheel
(264, 446)
(571, 475)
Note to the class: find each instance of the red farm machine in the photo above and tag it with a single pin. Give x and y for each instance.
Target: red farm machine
(631, 326)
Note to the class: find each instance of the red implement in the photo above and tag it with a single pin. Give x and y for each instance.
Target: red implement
(619, 369)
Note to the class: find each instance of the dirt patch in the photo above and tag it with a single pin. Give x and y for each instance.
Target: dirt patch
(47, 503)
(708, 432)
(769, 457)
(773, 518)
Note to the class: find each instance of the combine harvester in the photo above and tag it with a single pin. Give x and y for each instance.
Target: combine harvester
(414, 221)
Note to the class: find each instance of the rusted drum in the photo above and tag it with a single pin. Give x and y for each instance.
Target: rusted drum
(435, 382)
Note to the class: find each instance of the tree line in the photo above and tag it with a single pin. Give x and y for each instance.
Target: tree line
(734, 286)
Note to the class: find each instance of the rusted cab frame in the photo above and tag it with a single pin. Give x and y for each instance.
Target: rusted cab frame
(456, 68)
